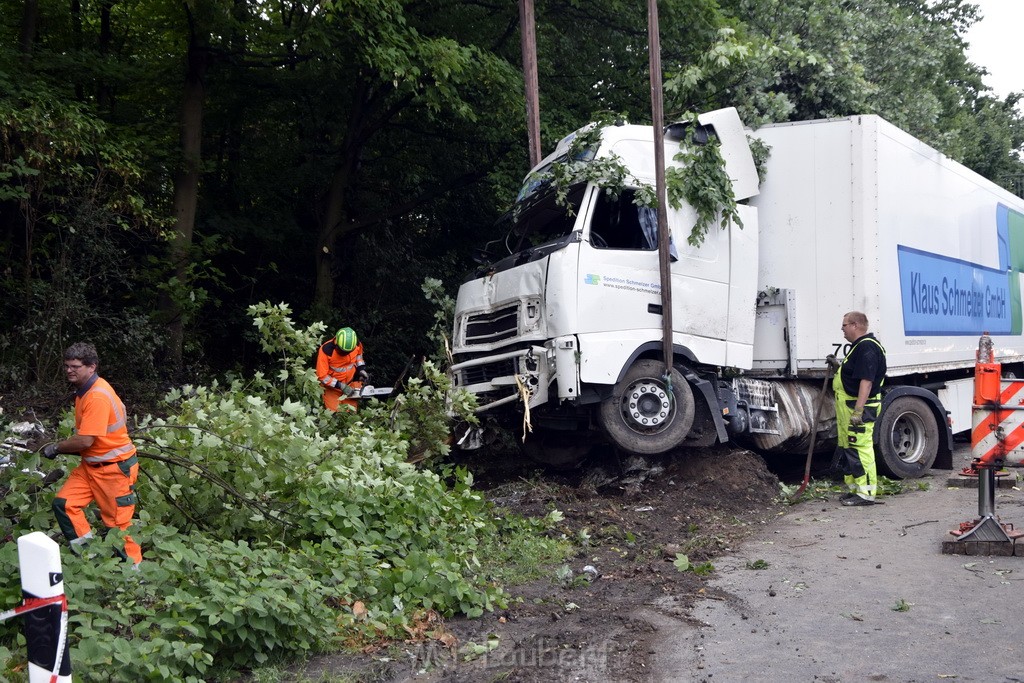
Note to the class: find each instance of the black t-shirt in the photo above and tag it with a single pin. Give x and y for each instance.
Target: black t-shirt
(866, 360)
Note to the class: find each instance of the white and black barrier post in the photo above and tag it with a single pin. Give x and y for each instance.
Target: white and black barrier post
(45, 609)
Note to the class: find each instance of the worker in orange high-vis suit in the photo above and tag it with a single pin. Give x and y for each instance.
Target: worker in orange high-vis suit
(341, 369)
(109, 466)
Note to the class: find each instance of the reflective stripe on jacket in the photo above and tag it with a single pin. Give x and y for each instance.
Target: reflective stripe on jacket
(842, 364)
(99, 413)
(334, 364)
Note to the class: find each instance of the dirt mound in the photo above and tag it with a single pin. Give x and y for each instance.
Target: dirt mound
(732, 481)
(640, 515)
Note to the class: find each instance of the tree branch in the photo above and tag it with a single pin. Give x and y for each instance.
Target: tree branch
(197, 428)
(192, 520)
(203, 471)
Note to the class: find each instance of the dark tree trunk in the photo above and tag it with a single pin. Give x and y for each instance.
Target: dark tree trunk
(330, 227)
(186, 194)
(29, 20)
(104, 91)
(335, 216)
(76, 41)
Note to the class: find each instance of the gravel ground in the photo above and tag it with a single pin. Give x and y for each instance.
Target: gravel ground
(857, 594)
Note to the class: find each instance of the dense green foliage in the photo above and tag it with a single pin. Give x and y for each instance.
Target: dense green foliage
(269, 527)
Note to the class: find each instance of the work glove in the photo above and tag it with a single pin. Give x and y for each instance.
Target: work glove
(857, 418)
(50, 451)
(344, 388)
(832, 361)
(362, 375)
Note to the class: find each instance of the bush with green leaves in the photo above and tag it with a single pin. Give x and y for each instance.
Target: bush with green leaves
(75, 187)
(270, 527)
(702, 182)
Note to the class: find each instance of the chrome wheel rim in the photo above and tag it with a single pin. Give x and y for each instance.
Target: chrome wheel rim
(646, 405)
(908, 437)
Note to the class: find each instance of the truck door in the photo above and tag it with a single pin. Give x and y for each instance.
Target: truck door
(621, 288)
(700, 286)
(618, 267)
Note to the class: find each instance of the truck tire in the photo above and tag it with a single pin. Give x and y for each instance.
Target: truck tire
(908, 438)
(640, 417)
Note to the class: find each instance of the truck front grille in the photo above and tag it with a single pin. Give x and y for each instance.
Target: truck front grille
(487, 328)
(479, 374)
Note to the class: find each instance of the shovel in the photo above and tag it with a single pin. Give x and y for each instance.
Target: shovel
(820, 403)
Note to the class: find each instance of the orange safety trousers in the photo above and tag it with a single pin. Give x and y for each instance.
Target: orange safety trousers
(112, 486)
(334, 399)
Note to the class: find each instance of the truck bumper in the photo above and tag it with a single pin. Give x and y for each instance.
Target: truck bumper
(506, 378)
(524, 375)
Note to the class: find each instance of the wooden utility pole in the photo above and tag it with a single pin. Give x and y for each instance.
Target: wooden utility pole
(529, 44)
(658, 122)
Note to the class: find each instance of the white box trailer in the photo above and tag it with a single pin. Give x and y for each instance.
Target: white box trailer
(854, 214)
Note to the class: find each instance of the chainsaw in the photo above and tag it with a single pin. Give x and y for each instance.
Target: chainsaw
(368, 391)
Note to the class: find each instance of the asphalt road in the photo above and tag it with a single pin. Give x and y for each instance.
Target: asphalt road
(859, 594)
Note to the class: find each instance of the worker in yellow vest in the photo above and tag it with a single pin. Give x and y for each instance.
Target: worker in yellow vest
(858, 386)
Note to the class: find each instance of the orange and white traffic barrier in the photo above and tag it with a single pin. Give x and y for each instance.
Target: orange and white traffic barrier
(997, 440)
(44, 609)
(997, 434)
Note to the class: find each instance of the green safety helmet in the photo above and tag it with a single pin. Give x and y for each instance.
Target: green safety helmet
(346, 339)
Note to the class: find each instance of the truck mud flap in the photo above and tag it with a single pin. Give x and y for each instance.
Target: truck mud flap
(711, 399)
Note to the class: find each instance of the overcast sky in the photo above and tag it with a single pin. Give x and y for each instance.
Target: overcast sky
(995, 43)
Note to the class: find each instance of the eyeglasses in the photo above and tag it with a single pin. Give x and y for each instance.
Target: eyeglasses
(74, 366)
(847, 324)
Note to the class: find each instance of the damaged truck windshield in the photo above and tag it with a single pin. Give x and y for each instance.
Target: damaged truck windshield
(542, 220)
(540, 224)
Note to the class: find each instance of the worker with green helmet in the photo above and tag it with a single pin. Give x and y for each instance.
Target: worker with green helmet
(341, 370)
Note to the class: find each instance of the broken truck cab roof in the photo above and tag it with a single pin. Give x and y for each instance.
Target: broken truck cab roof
(632, 144)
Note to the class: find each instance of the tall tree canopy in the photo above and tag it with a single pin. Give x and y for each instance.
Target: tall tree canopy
(164, 164)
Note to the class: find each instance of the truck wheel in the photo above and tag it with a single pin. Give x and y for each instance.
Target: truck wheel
(640, 417)
(908, 438)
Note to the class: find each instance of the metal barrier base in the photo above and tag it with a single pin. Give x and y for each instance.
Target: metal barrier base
(997, 413)
(991, 548)
(967, 478)
(984, 536)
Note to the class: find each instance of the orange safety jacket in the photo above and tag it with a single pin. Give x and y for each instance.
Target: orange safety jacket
(108, 470)
(333, 364)
(99, 413)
